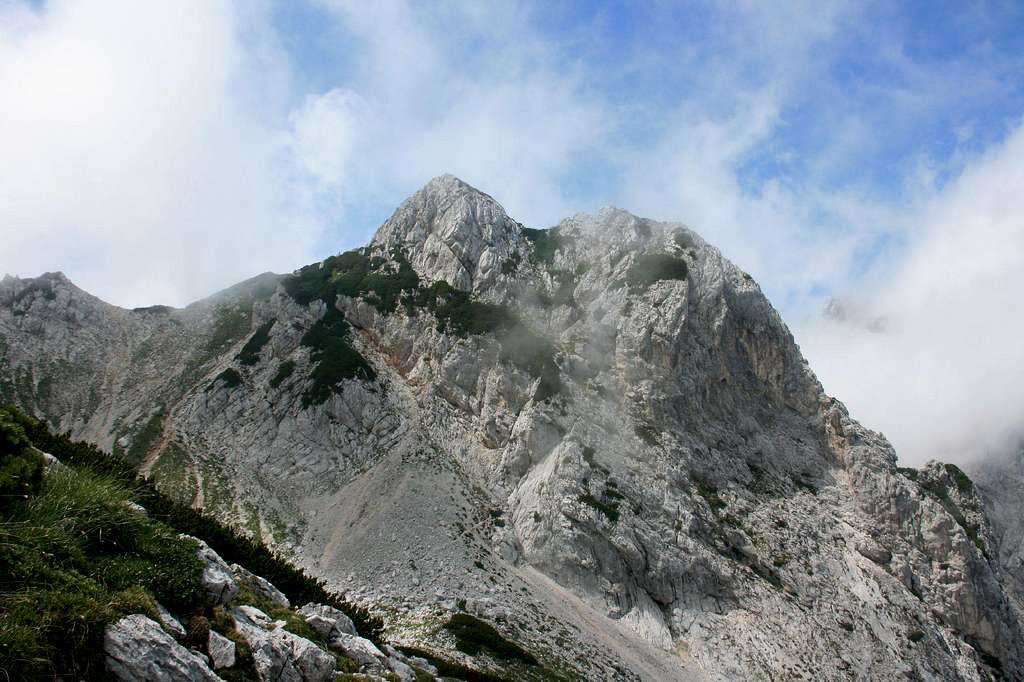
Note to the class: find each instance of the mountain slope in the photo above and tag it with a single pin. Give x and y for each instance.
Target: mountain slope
(599, 437)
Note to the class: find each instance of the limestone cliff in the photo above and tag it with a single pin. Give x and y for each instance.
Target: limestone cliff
(600, 437)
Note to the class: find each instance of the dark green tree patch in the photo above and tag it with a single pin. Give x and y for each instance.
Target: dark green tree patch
(149, 432)
(610, 510)
(336, 360)
(232, 321)
(230, 377)
(960, 479)
(286, 369)
(652, 267)
(545, 244)
(388, 284)
(21, 467)
(250, 353)
(473, 636)
(382, 283)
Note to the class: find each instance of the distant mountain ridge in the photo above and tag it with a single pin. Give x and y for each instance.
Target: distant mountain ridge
(600, 438)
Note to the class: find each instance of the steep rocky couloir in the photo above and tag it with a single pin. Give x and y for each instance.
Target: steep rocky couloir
(600, 437)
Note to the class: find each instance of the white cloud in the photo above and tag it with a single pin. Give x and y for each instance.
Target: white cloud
(508, 117)
(945, 379)
(133, 158)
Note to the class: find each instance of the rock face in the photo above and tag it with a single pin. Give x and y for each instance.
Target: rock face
(328, 621)
(260, 586)
(217, 578)
(138, 649)
(1000, 480)
(279, 655)
(599, 438)
(221, 650)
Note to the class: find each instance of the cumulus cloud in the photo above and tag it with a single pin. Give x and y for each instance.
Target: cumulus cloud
(465, 89)
(134, 157)
(943, 376)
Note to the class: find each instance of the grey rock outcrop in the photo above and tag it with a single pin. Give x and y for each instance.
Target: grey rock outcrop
(362, 651)
(328, 621)
(260, 586)
(137, 648)
(279, 655)
(170, 623)
(221, 650)
(657, 489)
(1000, 480)
(217, 578)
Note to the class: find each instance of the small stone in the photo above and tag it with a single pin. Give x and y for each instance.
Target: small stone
(170, 623)
(221, 650)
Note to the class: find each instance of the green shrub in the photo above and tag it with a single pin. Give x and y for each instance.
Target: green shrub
(283, 372)
(336, 360)
(473, 636)
(535, 355)
(646, 432)
(230, 377)
(459, 314)
(609, 509)
(709, 492)
(545, 244)
(940, 492)
(909, 472)
(21, 467)
(960, 479)
(250, 353)
(146, 435)
(650, 268)
(511, 264)
(231, 323)
(386, 284)
(164, 565)
(354, 274)
(447, 669)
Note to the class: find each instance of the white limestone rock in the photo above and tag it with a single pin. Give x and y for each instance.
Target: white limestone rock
(170, 623)
(362, 651)
(279, 655)
(217, 579)
(261, 586)
(137, 648)
(221, 650)
(328, 621)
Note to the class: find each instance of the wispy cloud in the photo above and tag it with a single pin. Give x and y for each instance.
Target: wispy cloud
(943, 377)
(135, 156)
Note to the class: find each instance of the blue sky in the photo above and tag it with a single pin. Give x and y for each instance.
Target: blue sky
(874, 151)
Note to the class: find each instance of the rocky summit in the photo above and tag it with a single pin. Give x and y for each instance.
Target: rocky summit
(598, 440)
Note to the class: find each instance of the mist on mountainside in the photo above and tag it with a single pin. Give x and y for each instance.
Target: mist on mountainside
(929, 351)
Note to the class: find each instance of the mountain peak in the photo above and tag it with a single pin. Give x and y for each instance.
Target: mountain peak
(447, 184)
(452, 231)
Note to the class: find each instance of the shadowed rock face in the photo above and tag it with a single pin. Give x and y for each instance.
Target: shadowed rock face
(1000, 480)
(639, 477)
